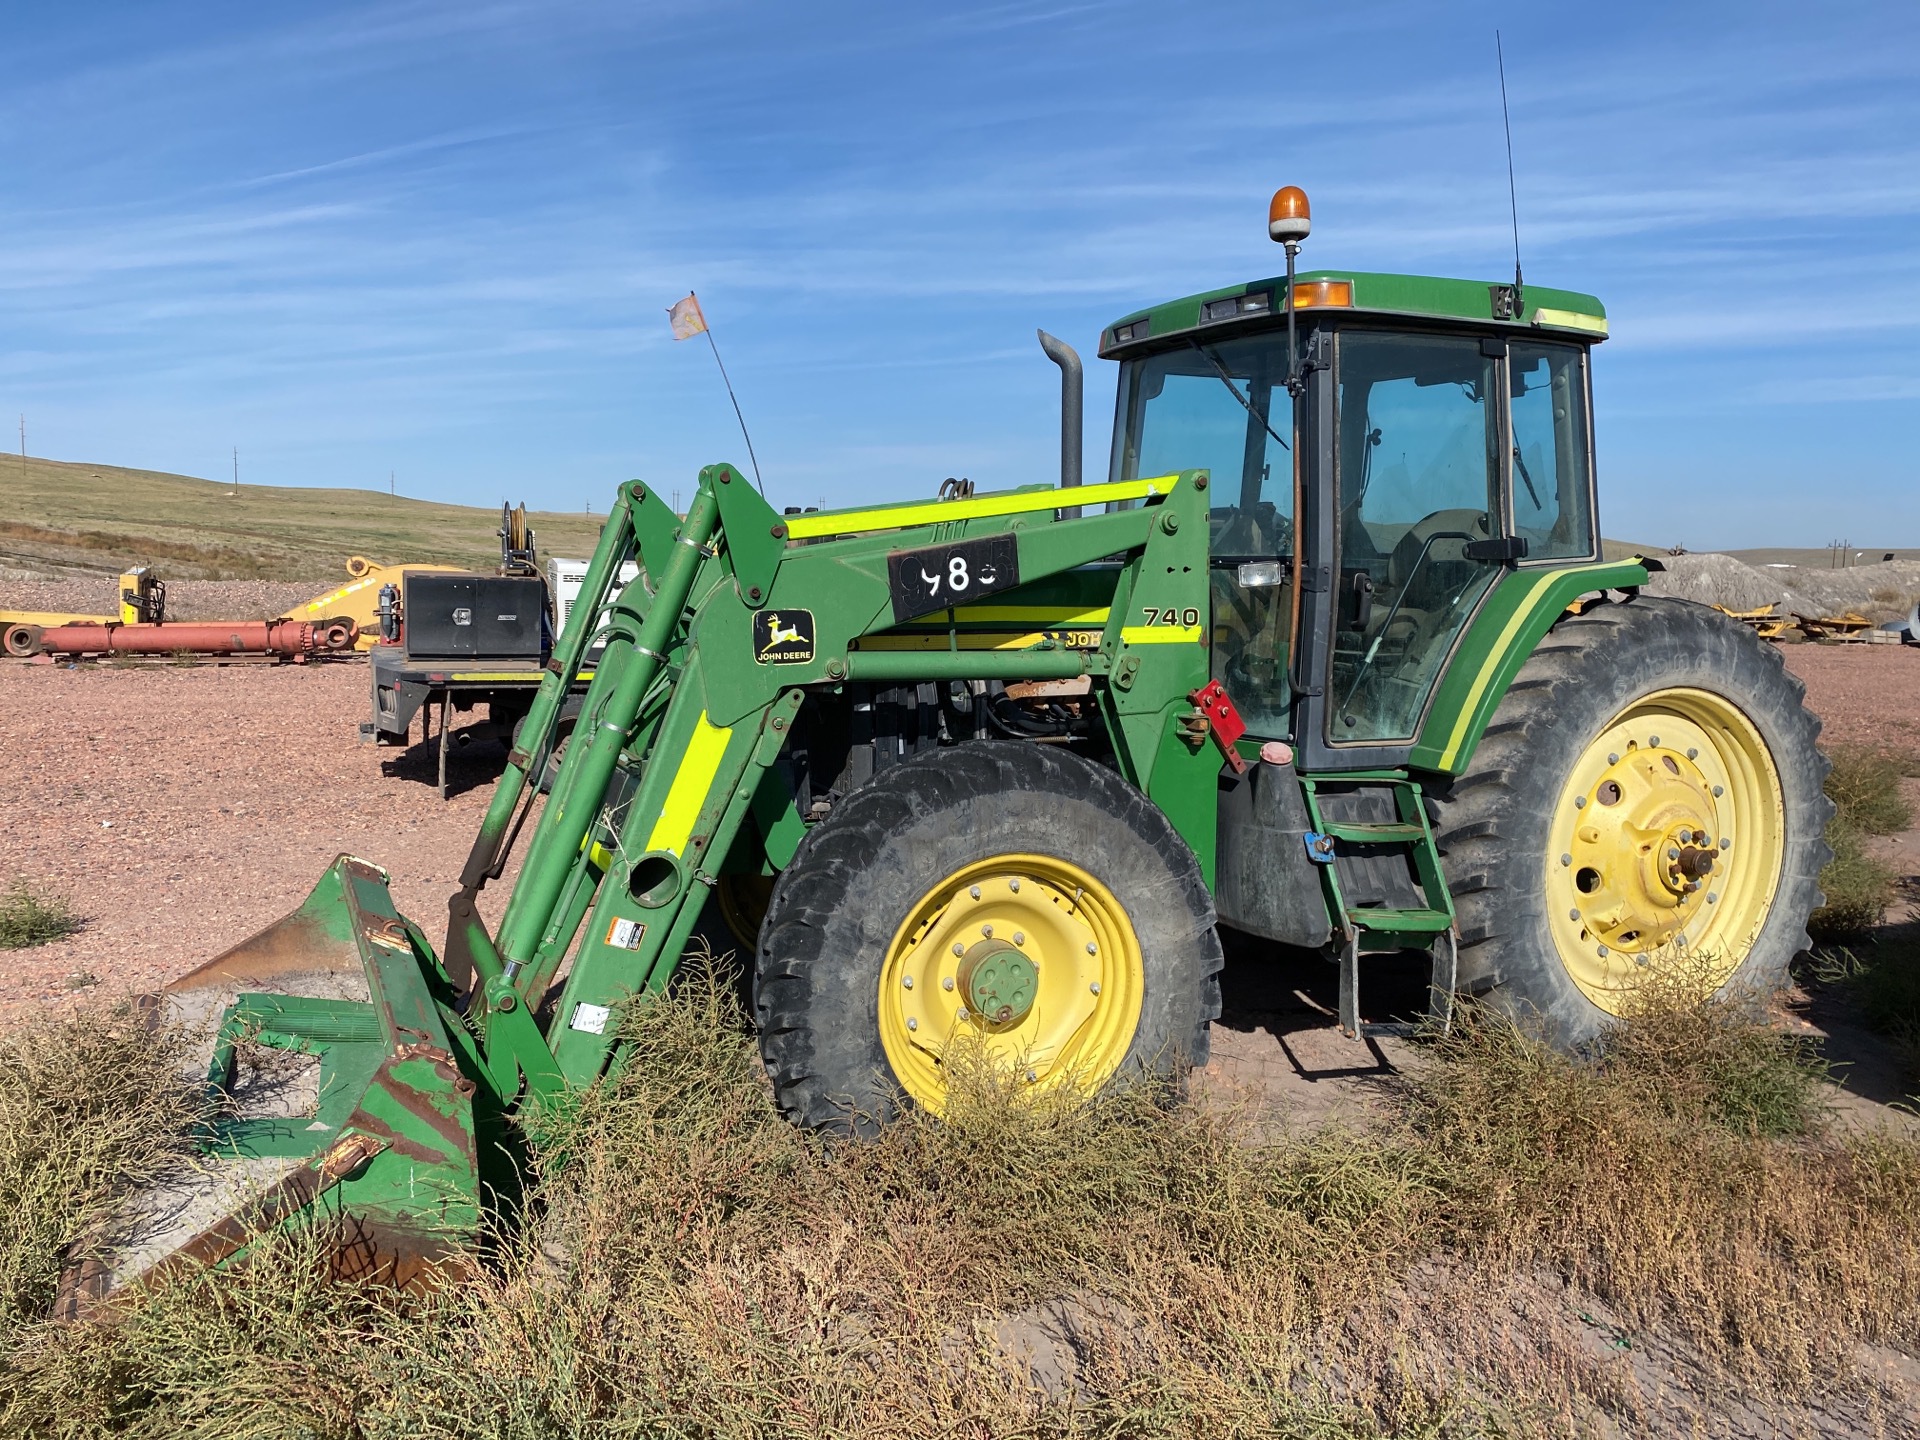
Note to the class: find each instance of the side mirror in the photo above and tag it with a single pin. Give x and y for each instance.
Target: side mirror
(1501, 549)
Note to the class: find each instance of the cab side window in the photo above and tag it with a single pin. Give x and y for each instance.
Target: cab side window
(1419, 481)
(1552, 468)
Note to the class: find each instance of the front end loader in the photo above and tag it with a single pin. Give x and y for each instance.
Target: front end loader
(1332, 658)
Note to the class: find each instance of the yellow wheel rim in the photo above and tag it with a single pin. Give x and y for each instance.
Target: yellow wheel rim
(1667, 845)
(1028, 957)
(743, 905)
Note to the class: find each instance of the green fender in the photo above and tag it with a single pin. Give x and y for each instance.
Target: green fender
(1521, 609)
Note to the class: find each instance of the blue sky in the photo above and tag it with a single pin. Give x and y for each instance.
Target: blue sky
(439, 238)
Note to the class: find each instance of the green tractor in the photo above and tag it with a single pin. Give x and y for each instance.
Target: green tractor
(1332, 657)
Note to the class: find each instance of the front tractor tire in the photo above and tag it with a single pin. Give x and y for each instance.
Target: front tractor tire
(1646, 806)
(995, 898)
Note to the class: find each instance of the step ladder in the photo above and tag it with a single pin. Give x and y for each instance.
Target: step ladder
(1367, 928)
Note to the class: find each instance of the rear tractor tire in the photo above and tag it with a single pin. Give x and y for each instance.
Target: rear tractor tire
(1646, 806)
(1008, 896)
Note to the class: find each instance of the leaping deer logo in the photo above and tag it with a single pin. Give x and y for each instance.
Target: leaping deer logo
(784, 637)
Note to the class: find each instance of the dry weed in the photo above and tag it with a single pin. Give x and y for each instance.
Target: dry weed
(1491, 1262)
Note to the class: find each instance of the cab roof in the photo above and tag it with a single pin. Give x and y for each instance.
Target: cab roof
(1361, 292)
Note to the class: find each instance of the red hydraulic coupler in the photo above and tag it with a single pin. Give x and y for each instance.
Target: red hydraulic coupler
(1217, 715)
(248, 637)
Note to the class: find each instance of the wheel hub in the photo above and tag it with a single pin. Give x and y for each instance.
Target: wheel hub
(1637, 849)
(999, 982)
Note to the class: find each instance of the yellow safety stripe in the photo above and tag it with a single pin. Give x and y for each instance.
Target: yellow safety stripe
(932, 512)
(935, 643)
(1052, 617)
(1571, 320)
(691, 782)
(1160, 635)
(1463, 721)
(1129, 635)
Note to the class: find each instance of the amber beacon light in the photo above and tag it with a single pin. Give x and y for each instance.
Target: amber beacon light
(1288, 218)
(1288, 221)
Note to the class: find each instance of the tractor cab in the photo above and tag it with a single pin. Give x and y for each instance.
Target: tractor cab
(1371, 483)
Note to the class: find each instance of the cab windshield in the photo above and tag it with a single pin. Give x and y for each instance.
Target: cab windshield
(1223, 407)
(1212, 407)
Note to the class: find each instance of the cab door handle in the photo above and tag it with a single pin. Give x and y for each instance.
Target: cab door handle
(1362, 600)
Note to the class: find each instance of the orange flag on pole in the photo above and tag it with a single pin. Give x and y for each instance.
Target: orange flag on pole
(686, 318)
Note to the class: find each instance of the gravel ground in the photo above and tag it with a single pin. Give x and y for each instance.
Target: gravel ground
(1863, 694)
(179, 810)
(186, 599)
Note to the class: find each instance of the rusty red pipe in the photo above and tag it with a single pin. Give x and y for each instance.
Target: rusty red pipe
(258, 637)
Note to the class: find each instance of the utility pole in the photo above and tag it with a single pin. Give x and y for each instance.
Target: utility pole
(236, 469)
(391, 492)
(23, 442)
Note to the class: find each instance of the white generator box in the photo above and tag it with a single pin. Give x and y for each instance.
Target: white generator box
(564, 579)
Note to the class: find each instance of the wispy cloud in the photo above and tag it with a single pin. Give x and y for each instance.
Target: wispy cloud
(437, 237)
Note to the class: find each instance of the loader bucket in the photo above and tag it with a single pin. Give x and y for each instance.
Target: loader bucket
(366, 1131)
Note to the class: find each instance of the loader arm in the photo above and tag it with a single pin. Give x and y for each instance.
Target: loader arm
(685, 716)
(701, 668)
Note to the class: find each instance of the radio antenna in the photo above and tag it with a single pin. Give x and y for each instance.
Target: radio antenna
(1513, 198)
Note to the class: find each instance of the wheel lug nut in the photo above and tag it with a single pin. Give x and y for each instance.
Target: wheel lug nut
(1639, 960)
(1613, 759)
(974, 891)
(1031, 1077)
(1019, 938)
(947, 984)
(987, 930)
(906, 982)
(1579, 802)
(912, 1024)
(1094, 987)
(1672, 854)
(1573, 914)
(958, 948)
(1603, 950)
(1711, 897)
(1653, 740)
(1692, 753)
(1566, 859)
(1726, 842)
(1014, 885)
(1092, 949)
(1718, 791)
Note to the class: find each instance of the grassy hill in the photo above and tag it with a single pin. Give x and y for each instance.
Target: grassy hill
(61, 518)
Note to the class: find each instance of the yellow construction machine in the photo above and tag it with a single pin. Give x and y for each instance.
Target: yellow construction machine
(143, 601)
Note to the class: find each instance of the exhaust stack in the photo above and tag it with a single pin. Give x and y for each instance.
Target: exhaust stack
(1072, 408)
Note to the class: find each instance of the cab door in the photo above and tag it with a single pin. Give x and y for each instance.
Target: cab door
(1223, 405)
(1408, 537)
